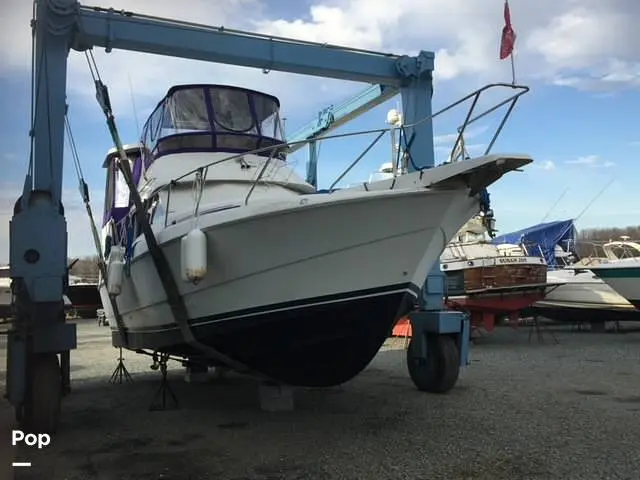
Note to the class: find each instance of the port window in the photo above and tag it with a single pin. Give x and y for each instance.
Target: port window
(157, 212)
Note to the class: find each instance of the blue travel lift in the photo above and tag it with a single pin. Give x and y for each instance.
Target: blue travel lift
(36, 377)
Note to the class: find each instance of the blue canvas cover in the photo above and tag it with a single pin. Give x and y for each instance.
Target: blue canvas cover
(542, 239)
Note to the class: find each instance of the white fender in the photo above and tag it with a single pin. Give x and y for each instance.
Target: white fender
(115, 270)
(193, 253)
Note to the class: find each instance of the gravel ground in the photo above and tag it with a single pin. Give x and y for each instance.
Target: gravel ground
(520, 411)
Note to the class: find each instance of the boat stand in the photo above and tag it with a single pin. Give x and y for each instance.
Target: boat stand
(540, 331)
(159, 401)
(120, 374)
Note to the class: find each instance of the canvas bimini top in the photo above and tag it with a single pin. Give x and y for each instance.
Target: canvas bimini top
(543, 237)
(213, 118)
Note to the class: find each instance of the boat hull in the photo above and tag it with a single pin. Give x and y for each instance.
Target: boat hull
(581, 295)
(305, 295)
(85, 299)
(623, 277)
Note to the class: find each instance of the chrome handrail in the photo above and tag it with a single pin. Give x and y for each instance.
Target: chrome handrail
(469, 120)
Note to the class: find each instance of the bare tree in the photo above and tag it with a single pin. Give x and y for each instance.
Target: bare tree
(85, 268)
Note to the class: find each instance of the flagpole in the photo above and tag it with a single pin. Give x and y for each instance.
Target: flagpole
(513, 70)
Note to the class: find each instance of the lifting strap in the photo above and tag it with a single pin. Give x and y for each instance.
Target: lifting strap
(84, 193)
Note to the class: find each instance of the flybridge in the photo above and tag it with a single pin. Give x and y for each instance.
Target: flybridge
(213, 118)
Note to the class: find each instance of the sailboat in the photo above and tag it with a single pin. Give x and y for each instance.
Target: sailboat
(300, 285)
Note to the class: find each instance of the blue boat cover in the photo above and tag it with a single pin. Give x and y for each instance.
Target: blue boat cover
(542, 239)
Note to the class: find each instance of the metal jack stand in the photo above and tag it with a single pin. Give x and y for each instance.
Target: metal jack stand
(121, 373)
(540, 330)
(160, 399)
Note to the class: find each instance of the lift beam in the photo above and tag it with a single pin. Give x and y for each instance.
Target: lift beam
(334, 117)
(38, 261)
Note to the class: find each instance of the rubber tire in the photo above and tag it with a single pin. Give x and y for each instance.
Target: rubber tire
(440, 372)
(44, 395)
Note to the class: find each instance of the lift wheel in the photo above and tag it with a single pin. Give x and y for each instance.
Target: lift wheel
(438, 372)
(41, 409)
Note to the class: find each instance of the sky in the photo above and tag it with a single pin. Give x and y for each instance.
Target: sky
(580, 59)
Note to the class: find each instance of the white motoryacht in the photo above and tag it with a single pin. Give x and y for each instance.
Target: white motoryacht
(300, 285)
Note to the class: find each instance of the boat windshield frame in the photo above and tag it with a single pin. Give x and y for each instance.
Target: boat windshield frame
(213, 118)
(117, 198)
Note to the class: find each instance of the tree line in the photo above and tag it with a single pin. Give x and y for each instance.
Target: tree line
(85, 267)
(588, 238)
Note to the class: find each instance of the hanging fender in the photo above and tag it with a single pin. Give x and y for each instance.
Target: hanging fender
(193, 256)
(115, 270)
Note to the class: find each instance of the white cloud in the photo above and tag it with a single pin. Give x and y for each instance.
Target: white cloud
(576, 43)
(545, 165)
(150, 76)
(559, 41)
(590, 44)
(449, 138)
(591, 161)
(606, 164)
(586, 160)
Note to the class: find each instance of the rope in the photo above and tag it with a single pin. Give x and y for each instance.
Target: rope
(84, 193)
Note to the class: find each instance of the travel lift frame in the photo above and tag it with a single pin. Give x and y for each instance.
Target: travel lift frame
(333, 117)
(36, 380)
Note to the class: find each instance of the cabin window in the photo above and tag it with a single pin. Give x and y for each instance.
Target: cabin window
(186, 112)
(267, 114)
(624, 251)
(232, 110)
(212, 119)
(121, 190)
(108, 198)
(157, 212)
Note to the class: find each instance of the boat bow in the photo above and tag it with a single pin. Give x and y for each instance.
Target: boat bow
(475, 174)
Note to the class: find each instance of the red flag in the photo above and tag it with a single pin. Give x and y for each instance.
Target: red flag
(508, 35)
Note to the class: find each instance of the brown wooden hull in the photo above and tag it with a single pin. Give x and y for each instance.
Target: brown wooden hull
(475, 280)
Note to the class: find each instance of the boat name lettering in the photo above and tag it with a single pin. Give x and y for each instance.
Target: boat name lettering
(512, 260)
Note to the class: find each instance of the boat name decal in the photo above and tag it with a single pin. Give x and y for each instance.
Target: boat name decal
(512, 260)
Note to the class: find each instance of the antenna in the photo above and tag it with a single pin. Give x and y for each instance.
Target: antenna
(554, 205)
(133, 105)
(135, 118)
(595, 198)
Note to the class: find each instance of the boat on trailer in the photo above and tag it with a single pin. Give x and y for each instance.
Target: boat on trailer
(297, 284)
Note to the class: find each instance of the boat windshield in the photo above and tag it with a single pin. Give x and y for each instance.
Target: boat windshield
(621, 250)
(209, 118)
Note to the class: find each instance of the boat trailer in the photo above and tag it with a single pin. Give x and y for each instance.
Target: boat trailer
(40, 340)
